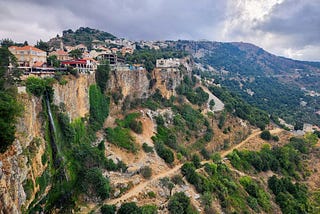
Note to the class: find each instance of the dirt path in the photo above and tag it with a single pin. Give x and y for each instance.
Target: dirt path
(255, 133)
(139, 188)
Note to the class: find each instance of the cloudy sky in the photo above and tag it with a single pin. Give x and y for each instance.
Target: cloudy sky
(288, 28)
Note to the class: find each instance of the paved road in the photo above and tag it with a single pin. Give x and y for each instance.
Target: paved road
(219, 106)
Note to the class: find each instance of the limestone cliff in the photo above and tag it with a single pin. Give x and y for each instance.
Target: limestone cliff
(22, 161)
(133, 82)
(74, 95)
(167, 79)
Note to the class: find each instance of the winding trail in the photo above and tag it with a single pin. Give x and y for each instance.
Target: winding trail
(140, 187)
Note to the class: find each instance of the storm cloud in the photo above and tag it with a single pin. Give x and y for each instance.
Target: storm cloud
(289, 28)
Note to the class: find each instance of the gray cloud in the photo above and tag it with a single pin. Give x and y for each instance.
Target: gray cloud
(298, 18)
(289, 28)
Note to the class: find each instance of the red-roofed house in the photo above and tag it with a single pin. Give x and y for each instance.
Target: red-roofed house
(28, 55)
(87, 65)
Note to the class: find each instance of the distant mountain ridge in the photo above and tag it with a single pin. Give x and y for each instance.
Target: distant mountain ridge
(283, 87)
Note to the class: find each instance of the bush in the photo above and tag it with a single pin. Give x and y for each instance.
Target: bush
(151, 194)
(38, 86)
(165, 153)
(146, 172)
(130, 207)
(179, 203)
(108, 209)
(93, 179)
(146, 148)
(265, 135)
(148, 209)
(136, 126)
(121, 137)
(196, 161)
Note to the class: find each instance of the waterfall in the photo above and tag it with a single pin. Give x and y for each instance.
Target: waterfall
(57, 160)
(52, 130)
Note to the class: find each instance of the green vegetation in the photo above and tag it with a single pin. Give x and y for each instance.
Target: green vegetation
(146, 172)
(102, 75)
(148, 57)
(92, 179)
(165, 153)
(121, 137)
(149, 209)
(84, 35)
(286, 160)
(240, 108)
(281, 100)
(108, 209)
(179, 203)
(146, 148)
(99, 107)
(10, 108)
(40, 87)
(75, 54)
(195, 96)
(28, 188)
(130, 121)
(257, 195)
(53, 61)
(292, 198)
(265, 135)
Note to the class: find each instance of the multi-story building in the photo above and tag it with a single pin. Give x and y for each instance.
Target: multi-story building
(28, 55)
(168, 63)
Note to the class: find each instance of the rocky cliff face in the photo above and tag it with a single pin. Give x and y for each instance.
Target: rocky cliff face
(135, 83)
(74, 95)
(167, 79)
(22, 161)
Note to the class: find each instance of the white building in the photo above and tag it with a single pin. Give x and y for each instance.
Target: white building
(168, 63)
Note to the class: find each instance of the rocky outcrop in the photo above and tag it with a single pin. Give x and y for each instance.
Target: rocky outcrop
(133, 82)
(167, 79)
(22, 161)
(74, 95)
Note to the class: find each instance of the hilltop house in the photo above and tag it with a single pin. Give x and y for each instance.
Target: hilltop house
(126, 50)
(86, 65)
(168, 63)
(113, 58)
(61, 55)
(28, 55)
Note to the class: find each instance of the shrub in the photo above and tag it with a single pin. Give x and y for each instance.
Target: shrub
(136, 126)
(108, 209)
(148, 209)
(165, 153)
(121, 137)
(93, 179)
(265, 135)
(146, 172)
(179, 203)
(151, 194)
(146, 148)
(130, 207)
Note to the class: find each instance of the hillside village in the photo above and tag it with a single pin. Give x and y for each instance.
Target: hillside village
(33, 60)
(111, 125)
